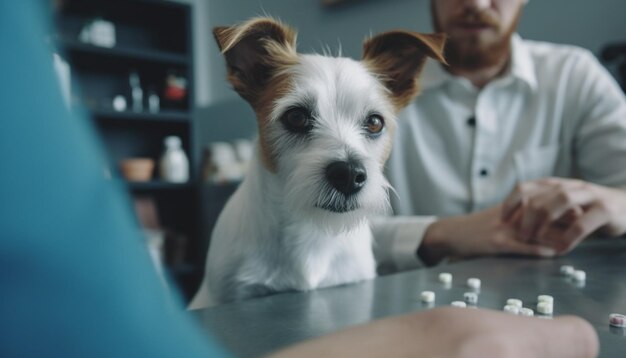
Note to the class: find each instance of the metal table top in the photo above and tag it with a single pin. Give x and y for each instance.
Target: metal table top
(258, 326)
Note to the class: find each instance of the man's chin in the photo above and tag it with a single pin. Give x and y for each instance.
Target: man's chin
(477, 50)
(467, 32)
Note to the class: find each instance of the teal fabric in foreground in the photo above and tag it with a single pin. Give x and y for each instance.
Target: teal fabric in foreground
(75, 277)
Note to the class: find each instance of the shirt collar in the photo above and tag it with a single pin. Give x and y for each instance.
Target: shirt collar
(521, 68)
(522, 65)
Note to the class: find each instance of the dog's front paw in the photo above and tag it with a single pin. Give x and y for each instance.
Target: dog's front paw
(247, 291)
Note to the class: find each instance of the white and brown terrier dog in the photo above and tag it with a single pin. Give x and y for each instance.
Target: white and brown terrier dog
(299, 220)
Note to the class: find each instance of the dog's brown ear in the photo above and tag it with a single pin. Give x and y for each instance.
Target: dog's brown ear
(254, 50)
(398, 57)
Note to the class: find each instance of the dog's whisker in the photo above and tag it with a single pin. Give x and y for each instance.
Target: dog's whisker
(339, 48)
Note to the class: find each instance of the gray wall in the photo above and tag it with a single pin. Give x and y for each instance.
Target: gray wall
(582, 22)
(317, 25)
(589, 24)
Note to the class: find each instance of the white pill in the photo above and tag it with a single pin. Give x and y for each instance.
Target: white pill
(473, 282)
(428, 296)
(514, 302)
(445, 277)
(458, 304)
(511, 309)
(528, 312)
(617, 320)
(545, 298)
(470, 298)
(567, 270)
(545, 308)
(580, 275)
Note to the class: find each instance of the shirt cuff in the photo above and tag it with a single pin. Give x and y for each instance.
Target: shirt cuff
(397, 239)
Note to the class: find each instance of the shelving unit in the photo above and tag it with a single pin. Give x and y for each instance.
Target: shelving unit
(162, 116)
(153, 39)
(130, 53)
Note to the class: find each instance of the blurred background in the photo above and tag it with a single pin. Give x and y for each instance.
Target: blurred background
(152, 80)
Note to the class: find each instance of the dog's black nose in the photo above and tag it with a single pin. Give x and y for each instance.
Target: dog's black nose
(347, 177)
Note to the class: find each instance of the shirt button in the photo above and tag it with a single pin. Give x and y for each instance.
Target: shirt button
(484, 172)
(471, 121)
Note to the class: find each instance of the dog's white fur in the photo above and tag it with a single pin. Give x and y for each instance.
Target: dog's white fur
(273, 234)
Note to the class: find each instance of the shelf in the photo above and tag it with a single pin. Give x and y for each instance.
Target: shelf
(163, 116)
(129, 53)
(157, 185)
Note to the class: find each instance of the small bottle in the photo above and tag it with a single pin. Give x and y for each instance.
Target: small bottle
(136, 92)
(153, 101)
(174, 165)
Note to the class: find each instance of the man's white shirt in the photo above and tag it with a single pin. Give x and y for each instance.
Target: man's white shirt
(458, 149)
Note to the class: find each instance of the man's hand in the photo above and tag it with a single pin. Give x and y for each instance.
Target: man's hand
(560, 212)
(476, 234)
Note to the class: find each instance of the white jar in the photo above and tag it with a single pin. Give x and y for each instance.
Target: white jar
(174, 165)
(103, 33)
(224, 162)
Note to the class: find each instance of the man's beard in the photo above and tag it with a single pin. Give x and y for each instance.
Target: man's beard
(472, 52)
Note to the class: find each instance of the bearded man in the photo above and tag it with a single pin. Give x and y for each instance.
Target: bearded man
(515, 147)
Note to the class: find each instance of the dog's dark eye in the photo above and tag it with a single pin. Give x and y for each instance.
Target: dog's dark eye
(374, 125)
(297, 120)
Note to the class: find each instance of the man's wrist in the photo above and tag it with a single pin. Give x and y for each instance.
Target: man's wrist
(434, 247)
